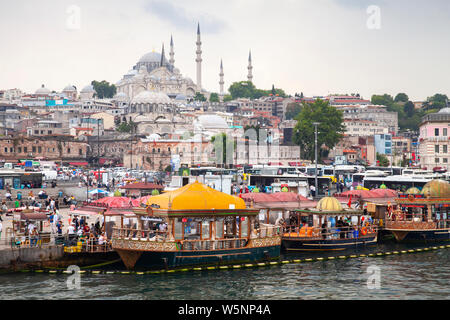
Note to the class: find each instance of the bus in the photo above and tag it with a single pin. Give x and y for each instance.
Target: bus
(395, 171)
(401, 183)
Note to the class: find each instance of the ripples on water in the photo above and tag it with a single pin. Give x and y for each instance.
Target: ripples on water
(406, 276)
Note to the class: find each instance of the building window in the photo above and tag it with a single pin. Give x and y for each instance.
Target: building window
(39, 149)
(19, 149)
(68, 150)
(436, 160)
(445, 160)
(80, 152)
(444, 148)
(6, 150)
(33, 149)
(444, 132)
(25, 149)
(436, 132)
(436, 148)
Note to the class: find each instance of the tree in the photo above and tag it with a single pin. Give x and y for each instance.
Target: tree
(103, 89)
(382, 160)
(292, 109)
(401, 97)
(331, 127)
(199, 97)
(227, 98)
(214, 97)
(242, 89)
(438, 101)
(409, 108)
(126, 126)
(385, 99)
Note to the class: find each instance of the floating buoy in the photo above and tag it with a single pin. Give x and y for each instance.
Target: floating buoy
(319, 259)
(96, 272)
(52, 271)
(342, 257)
(353, 256)
(331, 258)
(197, 269)
(395, 252)
(276, 262)
(363, 255)
(184, 269)
(285, 261)
(308, 260)
(261, 264)
(223, 267)
(249, 265)
(236, 266)
(139, 273)
(211, 268)
(170, 271)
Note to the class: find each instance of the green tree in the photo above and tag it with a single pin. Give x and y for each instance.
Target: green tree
(385, 99)
(401, 97)
(104, 89)
(199, 97)
(331, 127)
(409, 108)
(292, 110)
(227, 98)
(126, 126)
(214, 97)
(242, 89)
(382, 160)
(438, 101)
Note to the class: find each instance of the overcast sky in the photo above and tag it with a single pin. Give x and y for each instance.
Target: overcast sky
(311, 46)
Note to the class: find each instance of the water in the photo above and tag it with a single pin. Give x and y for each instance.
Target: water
(405, 276)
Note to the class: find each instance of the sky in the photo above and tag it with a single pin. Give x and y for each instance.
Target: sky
(317, 47)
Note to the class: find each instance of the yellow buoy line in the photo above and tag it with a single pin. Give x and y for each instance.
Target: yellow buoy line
(239, 266)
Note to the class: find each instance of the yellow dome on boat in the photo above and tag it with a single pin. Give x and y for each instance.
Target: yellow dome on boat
(329, 204)
(436, 189)
(413, 190)
(196, 196)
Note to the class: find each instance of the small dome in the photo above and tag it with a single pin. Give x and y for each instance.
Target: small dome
(150, 57)
(154, 137)
(444, 110)
(151, 97)
(70, 88)
(329, 204)
(413, 190)
(212, 121)
(436, 189)
(43, 90)
(88, 89)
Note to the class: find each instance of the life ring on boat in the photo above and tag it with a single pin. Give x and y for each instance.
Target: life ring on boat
(364, 231)
(279, 222)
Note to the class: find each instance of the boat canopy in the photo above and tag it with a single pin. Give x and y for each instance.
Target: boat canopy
(195, 196)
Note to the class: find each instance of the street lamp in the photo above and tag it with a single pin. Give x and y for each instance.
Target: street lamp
(315, 144)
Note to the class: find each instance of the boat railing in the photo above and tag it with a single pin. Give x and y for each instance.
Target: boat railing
(414, 221)
(136, 234)
(350, 232)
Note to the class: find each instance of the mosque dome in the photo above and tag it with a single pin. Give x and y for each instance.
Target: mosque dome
(436, 189)
(70, 88)
(211, 121)
(329, 204)
(444, 110)
(121, 96)
(150, 57)
(88, 89)
(43, 90)
(154, 137)
(151, 97)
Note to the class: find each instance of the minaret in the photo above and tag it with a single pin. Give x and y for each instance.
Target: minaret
(250, 75)
(162, 56)
(221, 80)
(199, 60)
(172, 53)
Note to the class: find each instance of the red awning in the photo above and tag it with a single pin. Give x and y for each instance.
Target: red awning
(78, 163)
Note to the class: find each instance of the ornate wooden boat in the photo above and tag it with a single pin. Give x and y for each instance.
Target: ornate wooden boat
(195, 225)
(320, 229)
(421, 217)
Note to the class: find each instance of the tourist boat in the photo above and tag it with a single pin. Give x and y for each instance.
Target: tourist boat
(194, 225)
(316, 229)
(421, 217)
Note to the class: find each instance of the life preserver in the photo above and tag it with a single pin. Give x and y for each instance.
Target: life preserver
(364, 231)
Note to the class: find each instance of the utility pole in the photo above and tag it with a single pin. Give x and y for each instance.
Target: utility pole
(315, 143)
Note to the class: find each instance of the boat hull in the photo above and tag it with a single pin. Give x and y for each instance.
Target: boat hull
(170, 257)
(437, 235)
(306, 244)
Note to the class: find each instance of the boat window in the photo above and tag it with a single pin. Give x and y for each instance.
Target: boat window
(244, 227)
(191, 230)
(205, 230)
(178, 229)
(219, 229)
